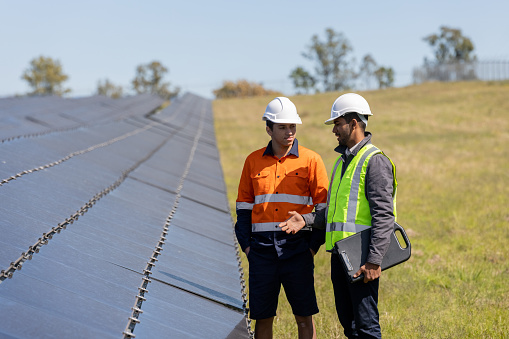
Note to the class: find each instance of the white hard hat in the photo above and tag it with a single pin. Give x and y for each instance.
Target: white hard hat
(281, 111)
(349, 103)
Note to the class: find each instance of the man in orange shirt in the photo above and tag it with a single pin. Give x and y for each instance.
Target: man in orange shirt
(277, 179)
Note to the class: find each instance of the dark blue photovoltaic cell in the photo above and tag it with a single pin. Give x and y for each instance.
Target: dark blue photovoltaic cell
(172, 313)
(199, 220)
(86, 284)
(205, 195)
(117, 177)
(88, 260)
(200, 264)
(62, 303)
(25, 321)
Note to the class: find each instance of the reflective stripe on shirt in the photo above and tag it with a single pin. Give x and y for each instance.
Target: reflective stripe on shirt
(271, 226)
(244, 206)
(290, 198)
(319, 207)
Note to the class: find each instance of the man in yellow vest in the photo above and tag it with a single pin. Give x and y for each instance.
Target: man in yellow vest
(362, 195)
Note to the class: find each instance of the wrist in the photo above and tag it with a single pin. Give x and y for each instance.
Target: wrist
(372, 266)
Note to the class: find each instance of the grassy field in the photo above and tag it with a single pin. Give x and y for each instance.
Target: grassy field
(449, 142)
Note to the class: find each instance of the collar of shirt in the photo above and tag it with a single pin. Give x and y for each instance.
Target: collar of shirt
(349, 151)
(294, 150)
(354, 150)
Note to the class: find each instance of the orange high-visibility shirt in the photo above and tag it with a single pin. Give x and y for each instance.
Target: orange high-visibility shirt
(272, 187)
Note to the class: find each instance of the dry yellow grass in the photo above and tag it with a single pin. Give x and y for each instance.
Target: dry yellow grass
(449, 142)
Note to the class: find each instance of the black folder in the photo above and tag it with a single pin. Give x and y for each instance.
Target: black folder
(353, 251)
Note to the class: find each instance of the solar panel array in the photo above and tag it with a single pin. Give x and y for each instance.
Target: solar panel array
(114, 222)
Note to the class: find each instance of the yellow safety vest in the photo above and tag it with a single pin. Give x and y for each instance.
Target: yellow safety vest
(347, 207)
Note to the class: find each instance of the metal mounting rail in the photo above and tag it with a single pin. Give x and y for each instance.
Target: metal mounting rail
(243, 287)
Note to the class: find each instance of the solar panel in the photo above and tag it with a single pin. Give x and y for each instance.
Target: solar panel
(119, 220)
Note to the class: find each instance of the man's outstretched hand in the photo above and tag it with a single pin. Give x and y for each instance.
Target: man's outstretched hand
(293, 224)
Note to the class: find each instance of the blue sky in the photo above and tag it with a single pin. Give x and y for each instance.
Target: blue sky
(204, 43)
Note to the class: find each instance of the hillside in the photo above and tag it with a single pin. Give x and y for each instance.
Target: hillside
(448, 141)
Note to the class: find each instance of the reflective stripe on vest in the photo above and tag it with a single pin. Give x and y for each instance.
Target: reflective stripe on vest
(358, 216)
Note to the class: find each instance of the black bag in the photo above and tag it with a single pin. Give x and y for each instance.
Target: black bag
(353, 251)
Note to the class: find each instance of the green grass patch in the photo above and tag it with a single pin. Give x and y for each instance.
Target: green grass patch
(449, 142)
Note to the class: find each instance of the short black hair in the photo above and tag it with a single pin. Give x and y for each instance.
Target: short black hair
(350, 116)
(270, 124)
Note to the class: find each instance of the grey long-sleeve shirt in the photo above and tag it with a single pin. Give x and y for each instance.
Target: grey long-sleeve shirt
(379, 193)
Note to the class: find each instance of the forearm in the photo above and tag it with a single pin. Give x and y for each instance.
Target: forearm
(317, 239)
(315, 219)
(243, 228)
(379, 190)
(380, 237)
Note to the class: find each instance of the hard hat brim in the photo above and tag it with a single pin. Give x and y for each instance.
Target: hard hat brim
(330, 121)
(284, 121)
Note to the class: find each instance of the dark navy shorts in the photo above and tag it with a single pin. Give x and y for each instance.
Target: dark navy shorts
(266, 275)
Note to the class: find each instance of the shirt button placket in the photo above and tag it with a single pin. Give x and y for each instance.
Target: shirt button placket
(277, 182)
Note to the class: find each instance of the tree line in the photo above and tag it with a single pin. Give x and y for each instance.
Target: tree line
(45, 76)
(335, 69)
